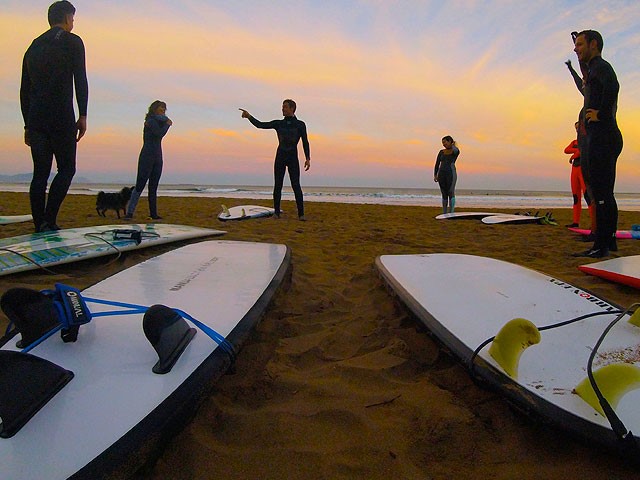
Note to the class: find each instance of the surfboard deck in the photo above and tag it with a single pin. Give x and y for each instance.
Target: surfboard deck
(245, 212)
(508, 219)
(464, 300)
(624, 270)
(466, 215)
(73, 244)
(620, 234)
(115, 407)
(6, 219)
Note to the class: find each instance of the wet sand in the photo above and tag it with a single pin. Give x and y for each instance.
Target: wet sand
(339, 381)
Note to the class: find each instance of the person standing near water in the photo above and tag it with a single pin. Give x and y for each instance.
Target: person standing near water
(604, 140)
(445, 174)
(156, 126)
(290, 131)
(52, 66)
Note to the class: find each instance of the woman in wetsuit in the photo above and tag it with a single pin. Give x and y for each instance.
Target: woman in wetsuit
(156, 126)
(444, 173)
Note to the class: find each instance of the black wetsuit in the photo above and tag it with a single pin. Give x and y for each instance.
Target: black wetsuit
(290, 131)
(604, 144)
(52, 66)
(150, 162)
(445, 171)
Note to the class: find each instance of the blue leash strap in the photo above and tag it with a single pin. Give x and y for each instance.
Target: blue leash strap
(72, 311)
(131, 308)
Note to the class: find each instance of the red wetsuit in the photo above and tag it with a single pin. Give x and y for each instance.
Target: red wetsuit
(578, 187)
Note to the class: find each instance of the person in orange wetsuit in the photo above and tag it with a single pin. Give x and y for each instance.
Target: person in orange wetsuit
(578, 186)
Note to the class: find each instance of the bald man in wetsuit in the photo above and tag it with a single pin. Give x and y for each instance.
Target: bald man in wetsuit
(53, 65)
(290, 131)
(604, 140)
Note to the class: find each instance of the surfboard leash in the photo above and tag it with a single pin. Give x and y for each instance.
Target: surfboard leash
(65, 308)
(563, 323)
(30, 260)
(618, 427)
(121, 234)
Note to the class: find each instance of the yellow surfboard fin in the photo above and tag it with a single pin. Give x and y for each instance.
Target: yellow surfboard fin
(635, 318)
(226, 211)
(513, 338)
(244, 214)
(613, 381)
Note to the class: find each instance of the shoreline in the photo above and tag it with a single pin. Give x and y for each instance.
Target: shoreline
(467, 199)
(339, 380)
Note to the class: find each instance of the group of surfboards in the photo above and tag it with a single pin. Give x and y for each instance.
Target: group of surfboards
(113, 386)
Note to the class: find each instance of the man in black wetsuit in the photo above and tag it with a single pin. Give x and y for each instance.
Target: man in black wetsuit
(290, 131)
(52, 66)
(604, 140)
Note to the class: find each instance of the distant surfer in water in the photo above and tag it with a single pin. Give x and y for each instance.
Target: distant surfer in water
(445, 174)
(156, 126)
(578, 187)
(290, 131)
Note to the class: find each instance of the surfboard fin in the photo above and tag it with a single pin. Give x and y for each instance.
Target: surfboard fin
(244, 214)
(27, 383)
(635, 318)
(32, 312)
(613, 381)
(513, 338)
(225, 211)
(168, 333)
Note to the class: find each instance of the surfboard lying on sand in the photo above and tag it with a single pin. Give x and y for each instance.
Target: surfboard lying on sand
(465, 300)
(15, 219)
(115, 411)
(28, 252)
(624, 270)
(466, 215)
(244, 212)
(621, 234)
(498, 219)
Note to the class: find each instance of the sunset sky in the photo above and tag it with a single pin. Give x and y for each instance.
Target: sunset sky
(378, 83)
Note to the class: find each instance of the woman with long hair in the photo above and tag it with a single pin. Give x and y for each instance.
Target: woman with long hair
(156, 125)
(445, 174)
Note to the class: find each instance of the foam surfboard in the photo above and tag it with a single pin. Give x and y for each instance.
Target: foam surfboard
(498, 219)
(115, 410)
(28, 252)
(466, 215)
(624, 270)
(15, 219)
(465, 300)
(621, 234)
(244, 212)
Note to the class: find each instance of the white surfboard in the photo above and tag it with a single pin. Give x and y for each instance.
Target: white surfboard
(244, 212)
(28, 252)
(6, 219)
(115, 411)
(465, 300)
(499, 219)
(624, 270)
(466, 215)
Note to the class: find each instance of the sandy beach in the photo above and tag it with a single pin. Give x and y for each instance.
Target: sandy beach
(339, 381)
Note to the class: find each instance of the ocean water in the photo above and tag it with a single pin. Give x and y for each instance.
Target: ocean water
(465, 199)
